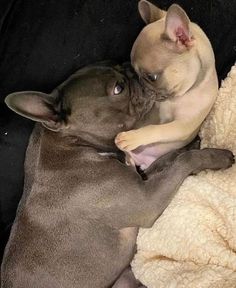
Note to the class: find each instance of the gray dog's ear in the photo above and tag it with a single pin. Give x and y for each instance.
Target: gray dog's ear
(36, 106)
(149, 12)
(177, 26)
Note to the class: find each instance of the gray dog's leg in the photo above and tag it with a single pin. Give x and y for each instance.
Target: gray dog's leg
(167, 159)
(146, 200)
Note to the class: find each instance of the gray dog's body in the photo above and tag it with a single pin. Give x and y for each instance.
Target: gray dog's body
(76, 225)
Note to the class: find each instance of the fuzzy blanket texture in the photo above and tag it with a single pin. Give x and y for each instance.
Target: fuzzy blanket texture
(193, 243)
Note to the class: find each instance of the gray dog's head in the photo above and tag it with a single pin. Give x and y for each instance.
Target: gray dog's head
(92, 106)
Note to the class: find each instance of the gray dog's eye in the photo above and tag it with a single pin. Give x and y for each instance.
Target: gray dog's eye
(152, 77)
(118, 88)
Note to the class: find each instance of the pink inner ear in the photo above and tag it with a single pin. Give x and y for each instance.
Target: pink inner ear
(182, 36)
(177, 28)
(36, 107)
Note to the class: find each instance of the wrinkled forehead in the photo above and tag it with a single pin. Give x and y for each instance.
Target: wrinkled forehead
(89, 81)
(150, 49)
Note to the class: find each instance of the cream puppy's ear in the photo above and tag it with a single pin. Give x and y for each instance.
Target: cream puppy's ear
(149, 12)
(36, 106)
(177, 26)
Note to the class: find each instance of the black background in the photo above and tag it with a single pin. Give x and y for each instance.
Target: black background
(44, 41)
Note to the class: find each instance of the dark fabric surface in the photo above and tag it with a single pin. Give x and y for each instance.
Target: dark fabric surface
(43, 41)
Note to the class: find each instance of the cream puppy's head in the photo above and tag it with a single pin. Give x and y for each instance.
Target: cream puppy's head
(171, 53)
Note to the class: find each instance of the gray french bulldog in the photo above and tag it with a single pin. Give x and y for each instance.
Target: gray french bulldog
(77, 222)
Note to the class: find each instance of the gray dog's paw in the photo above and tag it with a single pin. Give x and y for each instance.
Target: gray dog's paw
(215, 159)
(224, 159)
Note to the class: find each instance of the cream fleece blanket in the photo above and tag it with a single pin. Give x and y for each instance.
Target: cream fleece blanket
(193, 244)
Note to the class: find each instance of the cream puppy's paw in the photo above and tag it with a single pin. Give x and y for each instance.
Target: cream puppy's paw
(130, 140)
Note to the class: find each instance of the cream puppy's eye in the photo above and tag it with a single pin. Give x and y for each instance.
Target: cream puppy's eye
(152, 77)
(118, 88)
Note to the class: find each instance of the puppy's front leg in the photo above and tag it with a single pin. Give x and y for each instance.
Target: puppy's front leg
(178, 130)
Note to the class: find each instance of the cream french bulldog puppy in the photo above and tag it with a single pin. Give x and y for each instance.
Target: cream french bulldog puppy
(175, 61)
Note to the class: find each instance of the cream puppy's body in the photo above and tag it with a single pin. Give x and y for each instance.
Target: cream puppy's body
(175, 61)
